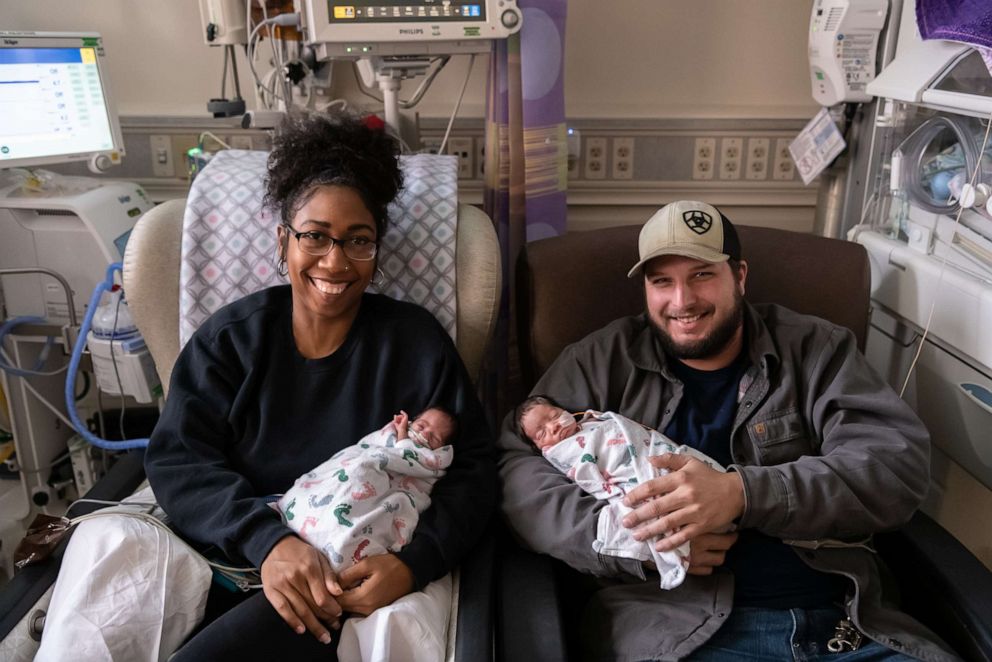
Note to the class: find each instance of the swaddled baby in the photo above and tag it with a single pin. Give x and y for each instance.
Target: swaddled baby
(366, 500)
(607, 455)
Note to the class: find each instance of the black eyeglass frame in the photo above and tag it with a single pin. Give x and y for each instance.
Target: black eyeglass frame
(333, 242)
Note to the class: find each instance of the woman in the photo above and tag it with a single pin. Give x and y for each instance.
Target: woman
(274, 384)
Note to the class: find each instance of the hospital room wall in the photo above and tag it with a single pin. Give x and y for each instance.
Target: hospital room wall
(639, 68)
(637, 58)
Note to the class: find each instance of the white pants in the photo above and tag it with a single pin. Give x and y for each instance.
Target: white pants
(127, 591)
(412, 629)
(130, 591)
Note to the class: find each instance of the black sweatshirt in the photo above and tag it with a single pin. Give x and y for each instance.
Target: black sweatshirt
(247, 415)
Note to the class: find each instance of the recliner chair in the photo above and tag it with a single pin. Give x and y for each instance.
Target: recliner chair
(568, 286)
(151, 281)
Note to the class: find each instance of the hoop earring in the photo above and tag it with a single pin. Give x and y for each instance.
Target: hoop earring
(282, 268)
(380, 274)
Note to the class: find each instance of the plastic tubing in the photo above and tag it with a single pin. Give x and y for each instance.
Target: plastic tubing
(9, 326)
(70, 378)
(913, 148)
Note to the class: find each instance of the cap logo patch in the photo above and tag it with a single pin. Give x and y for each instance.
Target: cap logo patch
(698, 221)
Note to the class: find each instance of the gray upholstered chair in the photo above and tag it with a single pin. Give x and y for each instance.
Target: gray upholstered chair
(568, 286)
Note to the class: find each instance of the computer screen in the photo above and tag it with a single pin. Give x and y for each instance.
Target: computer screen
(359, 28)
(54, 101)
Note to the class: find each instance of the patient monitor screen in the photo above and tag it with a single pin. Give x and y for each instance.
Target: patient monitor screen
(51, 104)
(386, 11)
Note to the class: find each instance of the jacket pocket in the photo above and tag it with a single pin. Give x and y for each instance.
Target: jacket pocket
(779, 437)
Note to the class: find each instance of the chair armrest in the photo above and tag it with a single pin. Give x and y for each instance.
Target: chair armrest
(943, 584)
(474, 635)
(28, 585)
(529, 613)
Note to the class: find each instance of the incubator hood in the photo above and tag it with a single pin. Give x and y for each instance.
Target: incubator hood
(943, 75)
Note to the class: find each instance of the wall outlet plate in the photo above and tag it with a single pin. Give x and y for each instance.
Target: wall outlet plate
(756, 164)
(703, 158)
(163, 161)
(623, 158)
(731, 158)
(464, 149)
(595, 158)
(784, 169)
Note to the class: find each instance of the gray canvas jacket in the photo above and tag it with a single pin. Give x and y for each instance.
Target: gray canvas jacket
(826, 451)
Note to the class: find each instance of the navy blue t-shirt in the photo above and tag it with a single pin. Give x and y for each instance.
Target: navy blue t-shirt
(767, 572)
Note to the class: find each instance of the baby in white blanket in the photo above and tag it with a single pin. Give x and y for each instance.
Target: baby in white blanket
(366, 500)
(606, 455)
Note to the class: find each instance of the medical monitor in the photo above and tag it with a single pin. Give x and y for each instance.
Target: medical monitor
(55, 104)
(364, 28)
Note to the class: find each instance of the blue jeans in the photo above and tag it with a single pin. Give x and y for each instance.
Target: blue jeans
(785, 634)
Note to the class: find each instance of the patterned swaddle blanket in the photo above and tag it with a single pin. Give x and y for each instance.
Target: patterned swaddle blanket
(229, 241)
(607, 458)
(365, 500)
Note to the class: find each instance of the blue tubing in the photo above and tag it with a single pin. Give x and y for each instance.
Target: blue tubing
(70, 378)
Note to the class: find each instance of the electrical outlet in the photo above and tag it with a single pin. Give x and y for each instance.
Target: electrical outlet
(573, 145)
(240, 142)
(480, 156)
(703, 158)
(783, 169)
(595, 166)
(623, 158)
(464, 149)
(731, 157)
(181, 144)
(757, 158)
(163, 164)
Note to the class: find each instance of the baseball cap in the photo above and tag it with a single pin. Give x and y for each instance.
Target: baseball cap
(689, 228)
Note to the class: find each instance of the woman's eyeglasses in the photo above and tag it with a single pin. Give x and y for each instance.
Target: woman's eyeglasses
(317, 243)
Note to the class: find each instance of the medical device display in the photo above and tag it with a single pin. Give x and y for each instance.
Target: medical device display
(843, 40)
(357, 28)
(58, 234)
(54, 101)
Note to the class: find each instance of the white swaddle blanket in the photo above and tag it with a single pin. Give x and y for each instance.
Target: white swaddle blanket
(367, 499)
(607, 458)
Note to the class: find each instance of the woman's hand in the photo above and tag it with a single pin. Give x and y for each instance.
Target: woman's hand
(401, 422)
(691, 500)
(374, 582)
(300, 584)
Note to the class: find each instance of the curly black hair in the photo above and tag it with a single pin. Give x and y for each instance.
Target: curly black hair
(311, 149)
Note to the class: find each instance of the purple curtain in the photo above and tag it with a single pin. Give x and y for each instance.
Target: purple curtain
(525, 163)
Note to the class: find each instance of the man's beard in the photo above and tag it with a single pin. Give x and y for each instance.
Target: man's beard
(709, 346)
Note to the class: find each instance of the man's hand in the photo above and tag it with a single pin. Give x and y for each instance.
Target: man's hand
(691, 500)
(709, 551)
(706, 552)
(374, 582)
(300, 584)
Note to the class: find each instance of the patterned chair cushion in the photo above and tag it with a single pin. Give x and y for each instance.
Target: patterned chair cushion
(229, 241)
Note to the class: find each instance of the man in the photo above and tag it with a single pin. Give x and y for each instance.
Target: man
(821, 455)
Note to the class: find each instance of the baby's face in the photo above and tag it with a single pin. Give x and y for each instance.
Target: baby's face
(435, 427)
(546, 425)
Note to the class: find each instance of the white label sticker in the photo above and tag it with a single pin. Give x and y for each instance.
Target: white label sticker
(816, 146)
